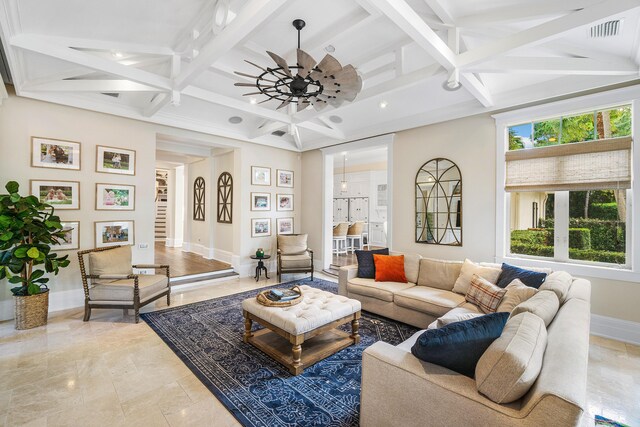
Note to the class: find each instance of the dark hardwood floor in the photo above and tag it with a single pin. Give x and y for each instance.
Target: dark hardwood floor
(186, 263)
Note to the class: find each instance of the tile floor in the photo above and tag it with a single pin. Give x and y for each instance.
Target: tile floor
(112, 372)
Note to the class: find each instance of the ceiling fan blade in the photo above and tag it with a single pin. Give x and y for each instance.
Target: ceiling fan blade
(326, 67)
(335, 102)
(307, 63)
(318, 105)
(258, 93)
(246, 75)
(302, 106)
(256, 65)
(284, 103)
(266, 100)
(346, 76)
(281, 63)
(245, 84)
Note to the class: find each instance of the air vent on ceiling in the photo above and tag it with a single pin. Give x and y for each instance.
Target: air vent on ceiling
(113, 94)
(278, 133)
(606, 29)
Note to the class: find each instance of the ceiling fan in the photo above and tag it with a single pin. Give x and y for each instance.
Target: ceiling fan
(307, 82)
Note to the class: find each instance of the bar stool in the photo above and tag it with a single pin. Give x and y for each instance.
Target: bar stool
(340, 238)
(355, 233)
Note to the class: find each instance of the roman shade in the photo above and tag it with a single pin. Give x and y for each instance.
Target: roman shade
(592, 165)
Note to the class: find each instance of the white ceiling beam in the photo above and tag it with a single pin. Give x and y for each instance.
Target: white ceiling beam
(547, 31)
(323, 130)
(157, 102)
(237, 104)
(251, 16)
(83, 85)
(391, 66)
(517, 12)
(556, 66)
(266, 129)
(441, 11)
(411, 23)
(113, 46)
(296, 137)
(49, 47)
(63, 75)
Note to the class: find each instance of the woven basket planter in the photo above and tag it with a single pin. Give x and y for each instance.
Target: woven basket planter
(32, 310)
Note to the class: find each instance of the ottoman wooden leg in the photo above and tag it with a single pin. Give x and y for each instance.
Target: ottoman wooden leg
(296, 351)
(247, 328)
(355, 328)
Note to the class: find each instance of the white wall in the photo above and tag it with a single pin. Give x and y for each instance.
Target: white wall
(470, 143)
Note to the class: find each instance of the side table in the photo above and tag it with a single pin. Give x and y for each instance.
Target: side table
(260, 266)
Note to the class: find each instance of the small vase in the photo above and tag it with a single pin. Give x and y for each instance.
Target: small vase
(260, 253)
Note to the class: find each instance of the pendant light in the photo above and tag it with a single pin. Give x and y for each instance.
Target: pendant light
(343, 184)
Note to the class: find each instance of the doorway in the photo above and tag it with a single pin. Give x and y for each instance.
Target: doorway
(357, 199)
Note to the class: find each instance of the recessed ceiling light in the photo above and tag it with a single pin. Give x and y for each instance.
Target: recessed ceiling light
(117, 54)
(335, 119)
(253, 101)
(235, 120)
(383, 104)
(330, 48)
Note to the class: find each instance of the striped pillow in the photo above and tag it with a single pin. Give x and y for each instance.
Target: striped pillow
(484, 294)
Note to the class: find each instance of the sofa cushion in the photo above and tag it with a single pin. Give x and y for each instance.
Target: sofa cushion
(469, 268)
(381, 290)
(110, 261)
(292, 244)
(517, 292)
(366, 267)
(544, 304)
(411, 265)
(512, 363)
(458, 346)
(296, 261)
(436, 302)
(458, 314)
(122, 290)
(389, 268)
(558, 282)
(528, 277)
(484, 294)
(439, 274)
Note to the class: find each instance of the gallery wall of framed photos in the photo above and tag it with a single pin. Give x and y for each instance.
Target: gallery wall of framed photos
(272, 218)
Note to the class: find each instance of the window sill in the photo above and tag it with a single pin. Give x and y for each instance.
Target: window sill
(575, 269)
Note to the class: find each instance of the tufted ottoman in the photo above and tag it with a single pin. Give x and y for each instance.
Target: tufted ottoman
(313, 322)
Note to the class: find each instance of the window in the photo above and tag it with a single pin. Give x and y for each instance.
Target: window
(568, 188)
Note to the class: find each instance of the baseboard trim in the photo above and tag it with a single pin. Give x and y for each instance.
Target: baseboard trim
(617, 329)
(58, 301)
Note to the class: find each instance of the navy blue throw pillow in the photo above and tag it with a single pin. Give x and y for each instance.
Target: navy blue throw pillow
(366, 267)
(458, 346)
(530, 278)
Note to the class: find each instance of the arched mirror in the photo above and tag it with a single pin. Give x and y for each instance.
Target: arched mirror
(439, 203)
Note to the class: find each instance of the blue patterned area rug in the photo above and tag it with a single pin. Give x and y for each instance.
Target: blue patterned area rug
(257, 390)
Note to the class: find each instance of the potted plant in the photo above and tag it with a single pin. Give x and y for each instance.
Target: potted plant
(28, 228)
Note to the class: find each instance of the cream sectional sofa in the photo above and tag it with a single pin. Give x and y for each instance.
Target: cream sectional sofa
(400, 389)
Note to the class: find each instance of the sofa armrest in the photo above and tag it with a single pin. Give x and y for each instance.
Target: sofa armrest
(345, 274)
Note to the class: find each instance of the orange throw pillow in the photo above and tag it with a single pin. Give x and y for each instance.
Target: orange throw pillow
(389, 268)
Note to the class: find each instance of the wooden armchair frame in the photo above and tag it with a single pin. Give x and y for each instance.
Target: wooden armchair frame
(293, 270)
(135, 304)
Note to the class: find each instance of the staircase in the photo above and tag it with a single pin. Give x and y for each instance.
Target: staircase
(161, 220)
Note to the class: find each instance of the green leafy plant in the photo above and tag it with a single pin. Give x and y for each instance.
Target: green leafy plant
(28, 228)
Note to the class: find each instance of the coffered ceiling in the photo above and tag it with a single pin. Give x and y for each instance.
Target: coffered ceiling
(172, 62)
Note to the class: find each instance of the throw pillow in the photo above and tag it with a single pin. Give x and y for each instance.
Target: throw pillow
(484, 294)
(544, 304)
(110, 261)
(458, 346)
(470, 268)
(458, 314)
(517, 292)
(512, 363)
(558, 282)
(366, 267)
(528, 277)
(389, 268)
(439, 274)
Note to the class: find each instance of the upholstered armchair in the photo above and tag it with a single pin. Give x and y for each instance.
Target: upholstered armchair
(111, 283)
(293, 255)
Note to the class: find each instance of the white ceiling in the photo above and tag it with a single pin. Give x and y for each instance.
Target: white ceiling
(511, 52)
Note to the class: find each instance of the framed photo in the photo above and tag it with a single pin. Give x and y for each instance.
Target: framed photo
(260, 175)
(115, 197)
(284, 225)
(260, 227)
(71, 236)
(112, 233)
(115, 160)
(59, 194)
(284, 202)
(55, 153)
(285, 178)
(260, 201)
